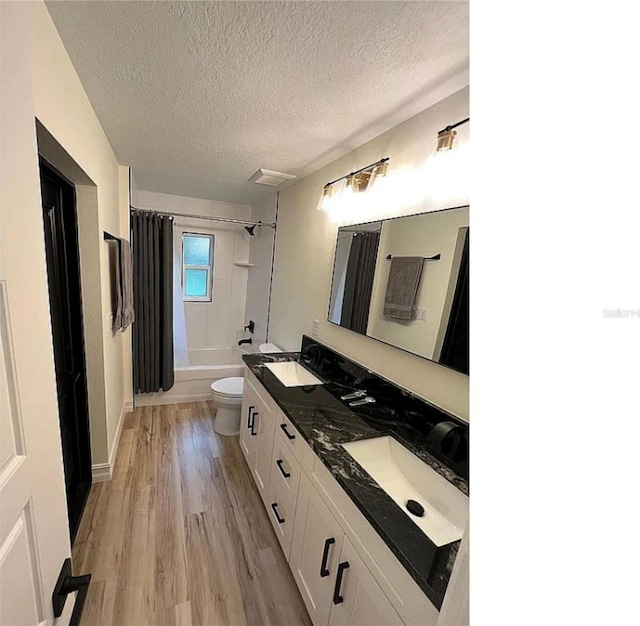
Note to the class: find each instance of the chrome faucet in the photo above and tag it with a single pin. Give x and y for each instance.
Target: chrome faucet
(242, 341)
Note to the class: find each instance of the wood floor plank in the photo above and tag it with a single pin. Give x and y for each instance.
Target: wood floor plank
(180, 535)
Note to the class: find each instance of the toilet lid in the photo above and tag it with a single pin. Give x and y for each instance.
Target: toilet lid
(229, 386)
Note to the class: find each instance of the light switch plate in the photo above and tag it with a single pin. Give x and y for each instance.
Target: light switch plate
(315, 328)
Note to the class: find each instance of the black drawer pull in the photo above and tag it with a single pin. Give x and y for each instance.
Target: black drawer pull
(274, 506)
(249, 415)
(282, 470)
(253, 423)
(337, 598)
(286, 432)
(325, 557)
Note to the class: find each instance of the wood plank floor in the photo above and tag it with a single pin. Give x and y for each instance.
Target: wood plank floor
(180, 535)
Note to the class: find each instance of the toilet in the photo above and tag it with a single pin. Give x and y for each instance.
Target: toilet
(227, 396)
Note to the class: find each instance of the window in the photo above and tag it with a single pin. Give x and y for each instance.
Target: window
(197, 267)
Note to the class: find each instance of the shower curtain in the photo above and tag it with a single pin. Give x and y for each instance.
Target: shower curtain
(361, 268)
(152, 239)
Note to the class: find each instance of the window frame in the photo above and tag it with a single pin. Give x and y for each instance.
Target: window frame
(208, 297)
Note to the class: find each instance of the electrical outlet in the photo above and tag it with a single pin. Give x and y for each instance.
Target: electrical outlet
(315, 328)
(421, 314)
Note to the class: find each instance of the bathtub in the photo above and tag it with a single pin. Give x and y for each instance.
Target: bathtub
(193, 381)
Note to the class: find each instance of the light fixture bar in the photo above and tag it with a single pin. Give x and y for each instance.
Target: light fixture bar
(362, 169)
(452, 126)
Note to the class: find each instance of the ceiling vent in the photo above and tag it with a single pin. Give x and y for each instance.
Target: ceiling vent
(268, 177)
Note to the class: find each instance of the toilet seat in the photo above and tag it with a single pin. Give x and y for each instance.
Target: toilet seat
(231, 387)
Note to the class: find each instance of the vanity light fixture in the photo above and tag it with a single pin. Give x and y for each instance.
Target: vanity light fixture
(355, 182)
(447, 136)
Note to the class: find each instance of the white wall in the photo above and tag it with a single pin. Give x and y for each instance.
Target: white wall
(259, 276)
(57, 99)
(218, 323)
(306, 238)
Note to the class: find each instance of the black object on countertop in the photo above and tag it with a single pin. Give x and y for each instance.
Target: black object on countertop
(325, 421)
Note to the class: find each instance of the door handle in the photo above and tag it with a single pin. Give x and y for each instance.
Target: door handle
(66, 584)
(249, 415)
(253, 423)
(337, 598)
(274, 506)
(282, 470)
(286, 432)
(325, 557)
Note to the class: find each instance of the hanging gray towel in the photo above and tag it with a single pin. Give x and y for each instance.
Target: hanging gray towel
(126, 272)
(116, 287)
(402, 287)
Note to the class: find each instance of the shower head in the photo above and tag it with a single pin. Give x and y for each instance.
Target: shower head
(250, 230)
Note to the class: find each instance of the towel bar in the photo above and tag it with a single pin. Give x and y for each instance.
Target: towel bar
(435, 257)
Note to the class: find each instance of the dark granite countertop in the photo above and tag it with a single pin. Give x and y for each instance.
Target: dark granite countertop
(325, 422)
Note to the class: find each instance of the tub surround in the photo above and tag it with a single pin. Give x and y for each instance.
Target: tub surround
(325, 421)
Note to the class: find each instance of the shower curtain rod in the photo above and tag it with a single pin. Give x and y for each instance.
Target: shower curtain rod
(207, 217)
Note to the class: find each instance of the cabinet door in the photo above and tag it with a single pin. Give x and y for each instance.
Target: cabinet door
(315, 550)
(357, 599)
(265, 425)
(248, 432)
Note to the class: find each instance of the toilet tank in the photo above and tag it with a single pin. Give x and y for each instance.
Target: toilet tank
(268, 347)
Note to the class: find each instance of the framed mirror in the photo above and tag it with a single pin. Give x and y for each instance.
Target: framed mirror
(405, 281)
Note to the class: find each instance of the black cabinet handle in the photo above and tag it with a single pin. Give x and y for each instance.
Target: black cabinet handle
(337, 598)
(286, 432)
(282, 470)
(253, 423)
(249, 415)
(274, 506)
(325, 557)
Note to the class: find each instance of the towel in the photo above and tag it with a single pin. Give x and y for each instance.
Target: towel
(402, 287)
(126, 284)
(116, 287)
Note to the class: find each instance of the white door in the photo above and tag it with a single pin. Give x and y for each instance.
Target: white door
(315, 551)
(34, 530)
(357, 598)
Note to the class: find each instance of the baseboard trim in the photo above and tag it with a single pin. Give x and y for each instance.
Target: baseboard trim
(101, 472)
(144, 400)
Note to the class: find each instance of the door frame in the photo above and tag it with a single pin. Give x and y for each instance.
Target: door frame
(84, 442)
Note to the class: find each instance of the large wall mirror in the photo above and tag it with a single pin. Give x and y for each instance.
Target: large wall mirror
(405, 281)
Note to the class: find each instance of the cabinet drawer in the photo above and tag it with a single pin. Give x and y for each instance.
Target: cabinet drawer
(285, 469)
(291, 436)
(283, 494)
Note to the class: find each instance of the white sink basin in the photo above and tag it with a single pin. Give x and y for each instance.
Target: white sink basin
(403, 476)
(292, 374)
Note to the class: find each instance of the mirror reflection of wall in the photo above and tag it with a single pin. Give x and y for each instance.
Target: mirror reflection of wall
(415, 303)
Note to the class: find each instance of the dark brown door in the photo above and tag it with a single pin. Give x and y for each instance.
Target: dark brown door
(65, 297)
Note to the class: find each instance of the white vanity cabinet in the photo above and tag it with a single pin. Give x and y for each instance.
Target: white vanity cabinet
(335, 584)
(345, 572)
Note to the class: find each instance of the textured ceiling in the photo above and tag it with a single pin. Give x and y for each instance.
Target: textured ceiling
(196, 96)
